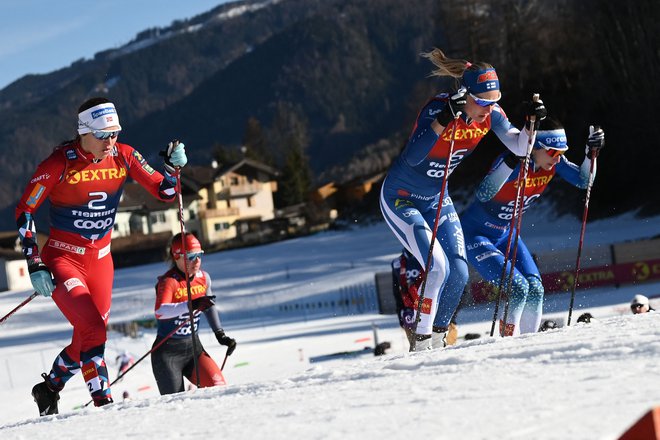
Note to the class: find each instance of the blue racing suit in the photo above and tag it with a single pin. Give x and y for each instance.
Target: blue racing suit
(410, 197)
(486, 223)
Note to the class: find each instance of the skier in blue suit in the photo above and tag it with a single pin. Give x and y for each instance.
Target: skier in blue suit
(411, 191)
(487, 220)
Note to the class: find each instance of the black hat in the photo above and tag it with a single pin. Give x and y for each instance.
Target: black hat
(548, 325)
(585, 317)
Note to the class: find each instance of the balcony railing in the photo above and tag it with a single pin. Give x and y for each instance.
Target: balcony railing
(219, 212)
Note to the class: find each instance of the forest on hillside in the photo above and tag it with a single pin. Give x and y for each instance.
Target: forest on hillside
(332, 87)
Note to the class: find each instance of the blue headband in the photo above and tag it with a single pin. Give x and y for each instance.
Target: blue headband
(480, 81)
(553, 139)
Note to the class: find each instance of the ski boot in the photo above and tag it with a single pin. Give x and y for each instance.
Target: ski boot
(439, 337)
(422, 343)
(45, 397)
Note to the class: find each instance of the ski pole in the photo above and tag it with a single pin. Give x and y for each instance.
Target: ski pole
(224, 362)
(185, 265)
(25, 301)
(516, 221)
(584, 226)
(429, 257)
(154, 348)
(507, 253)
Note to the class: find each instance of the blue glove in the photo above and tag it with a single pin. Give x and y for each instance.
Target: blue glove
(41, 278)
(175, 156)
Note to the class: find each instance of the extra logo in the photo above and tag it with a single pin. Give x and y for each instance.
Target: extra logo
(464, 134)
(75, 177)
(182, 292)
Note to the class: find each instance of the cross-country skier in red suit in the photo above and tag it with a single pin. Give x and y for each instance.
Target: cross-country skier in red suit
(173, 359)
(83, 178)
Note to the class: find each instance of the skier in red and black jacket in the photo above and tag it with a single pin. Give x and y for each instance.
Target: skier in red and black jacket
(173, 360)
(83, 178)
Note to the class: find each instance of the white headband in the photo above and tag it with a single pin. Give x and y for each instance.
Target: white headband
(98, 118)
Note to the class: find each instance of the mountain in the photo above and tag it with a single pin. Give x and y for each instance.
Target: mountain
(347, 77)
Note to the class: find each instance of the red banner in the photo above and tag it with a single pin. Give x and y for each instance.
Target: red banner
(626, 273)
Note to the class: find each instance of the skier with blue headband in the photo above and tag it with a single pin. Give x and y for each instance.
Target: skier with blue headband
(410, 196)
(486, 222)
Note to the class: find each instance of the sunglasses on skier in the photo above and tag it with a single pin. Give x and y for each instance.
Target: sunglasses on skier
(192, 256)
(636, 307)
(105, 135)
(484, 102)
(552, 152)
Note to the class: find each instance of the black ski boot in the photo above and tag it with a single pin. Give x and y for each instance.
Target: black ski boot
(45, 397)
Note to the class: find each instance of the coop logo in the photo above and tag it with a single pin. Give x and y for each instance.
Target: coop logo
(438, 169)
(94, 224)
(74, 177)
(412, 274)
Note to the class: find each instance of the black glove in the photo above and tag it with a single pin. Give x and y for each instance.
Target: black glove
(226, 340)
(455, 106)
(203, 302)
(512, 161)
(595, 141)
(537, 109)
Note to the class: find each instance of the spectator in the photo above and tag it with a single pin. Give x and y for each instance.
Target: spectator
(640, 304)
(125, 360)
(586, 318)
(548, 325)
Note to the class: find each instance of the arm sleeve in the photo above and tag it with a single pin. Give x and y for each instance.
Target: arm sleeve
(515, 140)
(494, 180)
(576, 176)
(163, 187)
(423, 138)
(48, 174)
(165, 308)
(212, 314)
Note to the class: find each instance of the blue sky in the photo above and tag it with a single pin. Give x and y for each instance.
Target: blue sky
(39, 36)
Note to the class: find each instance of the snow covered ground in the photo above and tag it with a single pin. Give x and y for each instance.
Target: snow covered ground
(583, 381)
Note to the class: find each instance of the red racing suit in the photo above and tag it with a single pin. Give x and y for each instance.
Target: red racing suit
(84, 194)
(174, 359)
